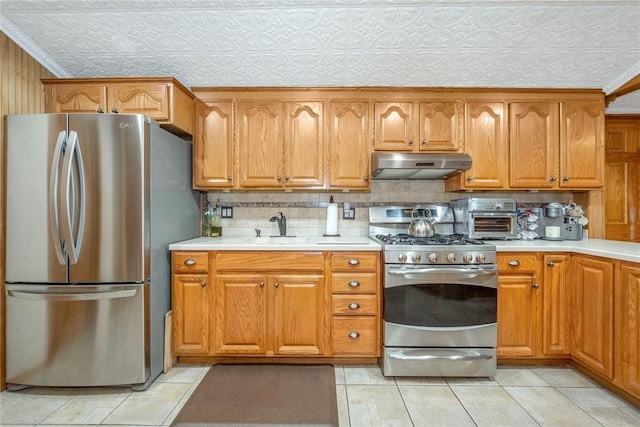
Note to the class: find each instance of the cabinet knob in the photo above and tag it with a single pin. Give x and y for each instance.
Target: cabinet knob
(424, 142)
(553, 179)
(411, 142)
(262, 284)
(514, 263)
(366, 178)
(277, 284)
(354, 335)
(279, 178)
(550, 263)
(534, 285)
(565, 178)
(99, 110)
(354, 283)
(354, 306)
(203, 283)
(469, 178)
(286, 178)
(228, 178)
(354, 261)
(114, 110)
(189, 261)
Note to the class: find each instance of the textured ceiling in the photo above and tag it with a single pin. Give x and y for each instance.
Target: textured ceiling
(433, 43)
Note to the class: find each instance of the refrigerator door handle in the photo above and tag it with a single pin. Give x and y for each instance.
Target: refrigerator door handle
(73, 243)
(54, 211)
(91, 296)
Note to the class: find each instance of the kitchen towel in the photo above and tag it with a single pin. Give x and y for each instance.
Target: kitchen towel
(332, 220)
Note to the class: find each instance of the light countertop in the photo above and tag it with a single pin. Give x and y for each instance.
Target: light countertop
(625, 251)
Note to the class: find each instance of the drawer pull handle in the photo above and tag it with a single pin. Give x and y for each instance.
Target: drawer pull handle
(354, 335)
(189, 261)
(203, 283)
(354, 261)
(354, 306)
(354, 283)
(514, 263)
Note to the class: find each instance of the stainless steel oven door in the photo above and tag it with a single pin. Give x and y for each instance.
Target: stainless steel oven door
(440, 306)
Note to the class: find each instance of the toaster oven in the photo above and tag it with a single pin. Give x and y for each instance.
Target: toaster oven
(485, 218)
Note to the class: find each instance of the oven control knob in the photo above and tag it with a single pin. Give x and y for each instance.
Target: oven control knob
(467, 258)
(480, 258)
(433, 257)
(451, 257)
(402, 257)
(417, 258)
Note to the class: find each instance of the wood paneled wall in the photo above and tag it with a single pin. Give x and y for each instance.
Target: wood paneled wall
(20, 93)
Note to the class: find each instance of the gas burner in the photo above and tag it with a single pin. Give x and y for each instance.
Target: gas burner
(438, 239)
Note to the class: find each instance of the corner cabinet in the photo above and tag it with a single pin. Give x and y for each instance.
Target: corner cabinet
(162, 99)
(191, 296)
(627, 324)
(270, 303)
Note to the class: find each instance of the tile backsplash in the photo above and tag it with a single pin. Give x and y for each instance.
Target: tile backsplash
(306, 211)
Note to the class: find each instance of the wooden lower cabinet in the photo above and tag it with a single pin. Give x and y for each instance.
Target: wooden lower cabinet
(592, 313)
(555, 306)
(270, 304)
(518, 302)
(191, 295)
(627, 327)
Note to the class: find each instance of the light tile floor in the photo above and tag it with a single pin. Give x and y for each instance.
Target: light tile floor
(517, 396)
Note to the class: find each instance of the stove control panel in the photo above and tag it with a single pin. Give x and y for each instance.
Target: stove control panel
(440, 257)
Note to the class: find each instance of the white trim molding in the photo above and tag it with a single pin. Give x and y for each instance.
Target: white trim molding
(29, 46)
(623, 78)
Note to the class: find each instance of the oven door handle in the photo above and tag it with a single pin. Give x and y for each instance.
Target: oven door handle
(439, 355)
(459, 271)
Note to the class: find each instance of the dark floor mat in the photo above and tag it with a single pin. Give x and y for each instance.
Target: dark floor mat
(270, 395)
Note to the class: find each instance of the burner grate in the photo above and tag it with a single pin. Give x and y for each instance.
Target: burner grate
(436, 240)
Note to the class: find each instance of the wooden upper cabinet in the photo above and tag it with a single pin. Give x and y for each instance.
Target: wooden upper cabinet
(440, 126)
(213, 148)
(485, 141)
(260, 143)
(304, 144)
(281, 144)
(162, 99)
(349, 144)
(534, 144)
(394, 126)
(581, 145)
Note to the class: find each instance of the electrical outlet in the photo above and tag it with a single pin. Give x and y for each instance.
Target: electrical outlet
(349, 213)
(227, 212)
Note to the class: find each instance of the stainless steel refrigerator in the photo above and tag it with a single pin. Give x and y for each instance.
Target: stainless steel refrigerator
(92, 203)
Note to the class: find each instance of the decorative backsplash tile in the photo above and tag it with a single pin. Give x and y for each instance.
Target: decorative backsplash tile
(306, 211)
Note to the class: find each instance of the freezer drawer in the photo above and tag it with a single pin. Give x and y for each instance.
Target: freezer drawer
(77, 335)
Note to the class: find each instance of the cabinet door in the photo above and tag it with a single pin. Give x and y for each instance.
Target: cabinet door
(627, 297)
(439, 126)
(304, 144)
(517, 315)
(394, 126)
(150, 99)
(298, 305)
(213, 156)
(76, 98)
(533, 144)
(485, 142)
(241, 314)
(260, 144)
(349, 144)
(581, 145)
(592, 316)
(190, 308)
(555, 303)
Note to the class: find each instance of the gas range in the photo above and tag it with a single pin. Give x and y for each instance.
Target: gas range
(388, 226)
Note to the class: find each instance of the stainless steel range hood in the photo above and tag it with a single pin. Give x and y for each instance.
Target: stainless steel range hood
(418, 165)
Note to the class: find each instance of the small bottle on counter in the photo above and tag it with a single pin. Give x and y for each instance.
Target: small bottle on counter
(212, 220)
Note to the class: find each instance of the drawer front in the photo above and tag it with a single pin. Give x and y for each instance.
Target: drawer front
(269, 260)
(347, 283)
(355, 336)
(354, 305)
(354, 261)
(517, 262)
(190, 262)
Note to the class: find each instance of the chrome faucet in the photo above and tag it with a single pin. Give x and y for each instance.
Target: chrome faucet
(282, 223)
